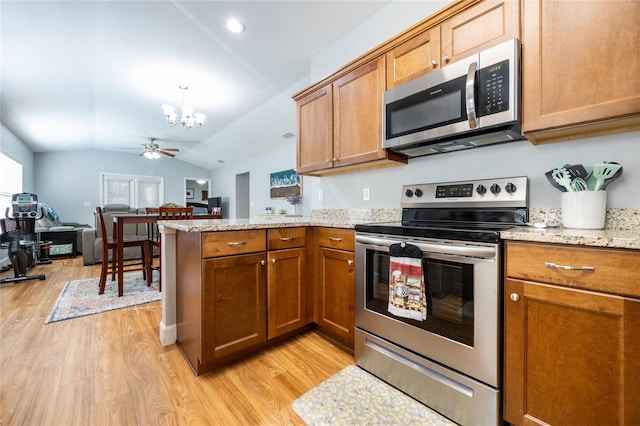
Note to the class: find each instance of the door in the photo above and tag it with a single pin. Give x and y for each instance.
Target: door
(243, 191)
(286, 294)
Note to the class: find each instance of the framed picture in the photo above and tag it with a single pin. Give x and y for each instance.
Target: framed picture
(189, 193)
(286, 183)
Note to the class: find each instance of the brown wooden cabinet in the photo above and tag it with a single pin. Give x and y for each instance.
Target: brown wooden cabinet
(469, 31)
(220, 295)
(340, 125)
(580, 69)
(287, 280)
(335, 284)
(572, 336)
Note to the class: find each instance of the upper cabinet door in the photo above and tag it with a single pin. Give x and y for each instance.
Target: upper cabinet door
(413, 58)
(481, 26)
(357, 114)
(580, 68)
(315, 131)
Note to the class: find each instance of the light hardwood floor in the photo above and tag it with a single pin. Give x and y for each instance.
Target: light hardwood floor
(110, 368)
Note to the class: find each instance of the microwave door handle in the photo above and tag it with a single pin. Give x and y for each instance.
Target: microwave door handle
(471, 95)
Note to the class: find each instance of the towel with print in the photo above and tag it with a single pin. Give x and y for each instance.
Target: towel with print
(408, 296)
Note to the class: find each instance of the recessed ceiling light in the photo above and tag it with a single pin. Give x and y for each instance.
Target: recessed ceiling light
(235, 26)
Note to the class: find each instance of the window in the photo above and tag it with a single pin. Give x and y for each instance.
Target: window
(134, 191)
(10, 181)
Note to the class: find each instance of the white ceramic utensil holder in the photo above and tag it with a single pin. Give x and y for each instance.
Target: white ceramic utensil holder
(584, 209)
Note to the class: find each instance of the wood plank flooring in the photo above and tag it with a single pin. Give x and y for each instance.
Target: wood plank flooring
(110, 368)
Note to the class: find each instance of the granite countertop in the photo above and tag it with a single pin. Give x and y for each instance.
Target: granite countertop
(622, 231)
(615, 238)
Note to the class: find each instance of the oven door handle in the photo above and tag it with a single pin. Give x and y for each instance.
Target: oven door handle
(466, 250)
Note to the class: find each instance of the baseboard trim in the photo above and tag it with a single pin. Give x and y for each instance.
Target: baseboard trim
(168, 335)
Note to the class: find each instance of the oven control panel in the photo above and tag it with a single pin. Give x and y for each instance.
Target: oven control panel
(496, 192)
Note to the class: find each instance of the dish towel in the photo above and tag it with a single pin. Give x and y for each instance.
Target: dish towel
(408, 296)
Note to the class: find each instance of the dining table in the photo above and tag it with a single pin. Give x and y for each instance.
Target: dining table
(119, 222)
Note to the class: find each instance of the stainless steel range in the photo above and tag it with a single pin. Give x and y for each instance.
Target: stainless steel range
(430, 325)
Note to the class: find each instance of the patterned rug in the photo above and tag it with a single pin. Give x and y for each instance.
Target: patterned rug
(355, 397)
(80, 297)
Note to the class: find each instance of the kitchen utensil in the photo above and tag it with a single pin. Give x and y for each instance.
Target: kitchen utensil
(562, 176)
(602, 172)
(591, 181)
(578, 184)
(615, 176)
(553, 182)
(577, 170)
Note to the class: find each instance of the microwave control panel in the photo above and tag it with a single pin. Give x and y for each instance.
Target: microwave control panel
(493, 89)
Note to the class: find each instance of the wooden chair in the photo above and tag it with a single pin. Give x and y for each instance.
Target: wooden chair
(111, 243)
(164, 213)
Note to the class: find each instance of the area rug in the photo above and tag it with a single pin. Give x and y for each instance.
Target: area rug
(80, 297)
(355, 397)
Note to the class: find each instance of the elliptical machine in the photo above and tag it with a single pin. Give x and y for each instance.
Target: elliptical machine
(19, 237)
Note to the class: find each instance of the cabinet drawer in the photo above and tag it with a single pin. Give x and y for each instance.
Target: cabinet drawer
(282, 238)
(614, 271)
(342, 239)
(232, 242)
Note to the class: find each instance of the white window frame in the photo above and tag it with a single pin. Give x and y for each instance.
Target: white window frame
(10, 181)
(134, 186)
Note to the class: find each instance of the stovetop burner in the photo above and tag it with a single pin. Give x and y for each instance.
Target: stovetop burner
(467, 211)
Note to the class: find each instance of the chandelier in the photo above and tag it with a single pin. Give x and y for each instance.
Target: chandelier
(189, 118)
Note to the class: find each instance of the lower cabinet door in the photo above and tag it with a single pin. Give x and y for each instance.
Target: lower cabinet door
(286, 294)
(336, 314)
(572, 357)
(234, 304)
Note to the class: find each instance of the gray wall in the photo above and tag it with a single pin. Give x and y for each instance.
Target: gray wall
(66, 180)
(15, 149)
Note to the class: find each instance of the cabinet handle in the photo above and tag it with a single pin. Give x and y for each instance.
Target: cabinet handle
(446, 59)
(514, 296)
(335, 239)
(569, 267)
(350, 262)
(236, 243)
(433, 63)
(287, 238)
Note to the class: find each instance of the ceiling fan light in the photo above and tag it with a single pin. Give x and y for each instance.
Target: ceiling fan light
(155, 155)
(148, 155)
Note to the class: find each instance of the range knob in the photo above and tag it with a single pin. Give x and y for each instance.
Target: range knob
(510, 188)
(408, 193)
(495, 189)
(418, 192)
(481, 189)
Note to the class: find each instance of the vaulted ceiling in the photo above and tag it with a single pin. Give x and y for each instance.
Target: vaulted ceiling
(93, 74)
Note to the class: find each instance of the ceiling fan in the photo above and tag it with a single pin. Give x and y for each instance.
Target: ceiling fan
(152, 150)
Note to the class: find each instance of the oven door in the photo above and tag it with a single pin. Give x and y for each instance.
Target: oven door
(461, 331)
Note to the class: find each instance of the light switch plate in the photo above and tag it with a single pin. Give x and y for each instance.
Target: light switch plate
(366, 194)
(320, 195)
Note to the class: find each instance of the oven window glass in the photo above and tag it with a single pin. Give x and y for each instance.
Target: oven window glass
(451, 287)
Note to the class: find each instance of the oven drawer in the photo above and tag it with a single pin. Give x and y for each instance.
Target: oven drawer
(603, 269)
(232, 242)
(463, 399)
(341, 239)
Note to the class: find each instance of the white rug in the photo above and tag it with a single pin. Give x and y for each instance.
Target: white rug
(80, 297)
(355, 397)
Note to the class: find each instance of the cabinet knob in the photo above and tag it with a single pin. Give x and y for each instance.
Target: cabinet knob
(262, 262)
(335, 158)
(433, 63)
(350, 262)
(273, 261)
(514, 296)
(446, 59)
(328, 160)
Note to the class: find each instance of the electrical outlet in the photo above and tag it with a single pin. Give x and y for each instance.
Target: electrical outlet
(320, 195)
(366, 194)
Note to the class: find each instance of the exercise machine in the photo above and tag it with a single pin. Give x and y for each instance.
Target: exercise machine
(20, 239)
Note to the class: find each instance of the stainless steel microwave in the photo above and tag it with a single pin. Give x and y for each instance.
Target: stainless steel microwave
(472, 102)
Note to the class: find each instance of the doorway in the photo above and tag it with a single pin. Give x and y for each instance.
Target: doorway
(242, 196)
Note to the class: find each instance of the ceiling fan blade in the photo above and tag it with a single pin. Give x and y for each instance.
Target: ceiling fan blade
(170, 149)
(163, 152)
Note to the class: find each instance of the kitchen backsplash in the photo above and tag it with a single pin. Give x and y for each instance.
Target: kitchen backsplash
(625, 218)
